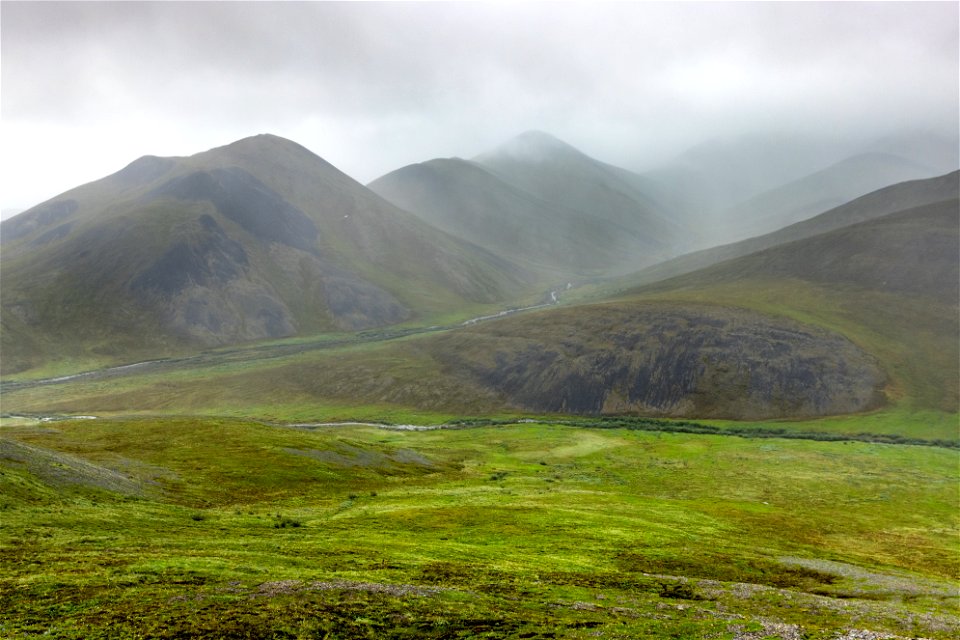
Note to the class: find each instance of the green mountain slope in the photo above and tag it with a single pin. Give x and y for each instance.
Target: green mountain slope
(884, 289)
(817, 192)
(884, 201)
(846, 321)
(913, 252)
(890, 285)
(257, 239)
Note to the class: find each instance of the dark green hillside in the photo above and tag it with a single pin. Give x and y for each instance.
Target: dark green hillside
(258, 239)
(889, 284)
(912, 253)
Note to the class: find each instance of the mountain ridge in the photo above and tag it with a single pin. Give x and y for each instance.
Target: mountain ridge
(890, 199)
(568, 214)
(260, 238)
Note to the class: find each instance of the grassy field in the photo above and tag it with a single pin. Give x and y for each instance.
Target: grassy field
(204, 527)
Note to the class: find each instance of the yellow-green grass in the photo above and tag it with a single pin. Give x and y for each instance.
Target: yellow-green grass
(525, 529)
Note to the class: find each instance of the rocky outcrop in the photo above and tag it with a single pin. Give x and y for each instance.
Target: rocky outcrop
(672, 360)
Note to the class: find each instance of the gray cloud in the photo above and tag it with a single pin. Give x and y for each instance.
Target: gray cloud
(89, 86)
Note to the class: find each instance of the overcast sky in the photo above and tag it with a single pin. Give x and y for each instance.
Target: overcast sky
(89, 87)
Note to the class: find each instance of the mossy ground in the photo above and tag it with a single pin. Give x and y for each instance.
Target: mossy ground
(204, 527)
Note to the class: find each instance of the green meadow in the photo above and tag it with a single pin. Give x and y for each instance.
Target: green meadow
(174, 527)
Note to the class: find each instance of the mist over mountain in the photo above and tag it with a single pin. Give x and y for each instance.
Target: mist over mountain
(556, 172)
(264, 239)
(736, 187)
(538, 200)
(825, 189)
(897, 197)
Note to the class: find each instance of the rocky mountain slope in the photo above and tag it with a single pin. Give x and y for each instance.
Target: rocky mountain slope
(877, 305)
(707, 186)
(257, 239)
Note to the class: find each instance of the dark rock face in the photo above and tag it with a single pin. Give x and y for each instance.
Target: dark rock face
(211, 258)
(679, 361)
(242, 198)
(204, 290)
(360, 305)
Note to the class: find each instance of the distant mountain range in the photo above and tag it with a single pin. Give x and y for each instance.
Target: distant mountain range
(897, 197)
(844, 299)
(732, 188)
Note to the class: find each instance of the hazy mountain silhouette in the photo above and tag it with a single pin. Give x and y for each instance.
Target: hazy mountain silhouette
(539, 200)
(898, 197)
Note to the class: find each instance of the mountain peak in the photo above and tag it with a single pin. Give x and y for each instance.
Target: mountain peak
(269, 152)
(533, 145)
(266, 142)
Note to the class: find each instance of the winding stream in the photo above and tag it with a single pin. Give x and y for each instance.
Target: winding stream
(260, 352)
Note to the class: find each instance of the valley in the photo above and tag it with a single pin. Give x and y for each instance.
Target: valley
(517, 396)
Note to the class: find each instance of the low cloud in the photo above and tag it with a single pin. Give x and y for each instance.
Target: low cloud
(87, 87)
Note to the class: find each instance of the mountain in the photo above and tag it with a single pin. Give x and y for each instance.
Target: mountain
(257, 239)
(721, 172)
(842, 321)
(850, 320)
(468, 201)
(890, 284)
(817, 192)
(898, 197)
(539, 200)
(912, 252)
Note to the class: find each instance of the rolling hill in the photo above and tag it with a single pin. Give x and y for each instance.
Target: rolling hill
(884, 291)
(850, 311)
(540, 200)
(257, 239)
(850, 320)
(830, 187)
(898, 197)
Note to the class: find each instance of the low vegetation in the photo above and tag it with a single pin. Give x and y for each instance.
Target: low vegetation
(183, 527)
